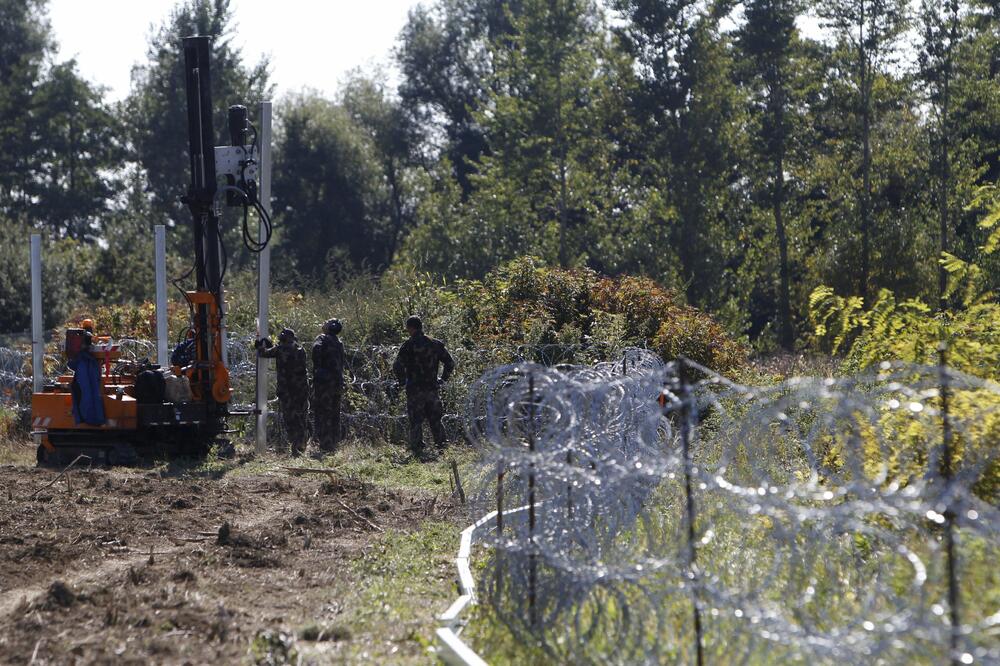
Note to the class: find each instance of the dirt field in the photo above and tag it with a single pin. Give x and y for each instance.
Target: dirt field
(169, 566)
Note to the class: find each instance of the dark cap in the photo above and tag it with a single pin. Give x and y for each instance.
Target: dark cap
(332, 326)
(286, 335)
(414, 322)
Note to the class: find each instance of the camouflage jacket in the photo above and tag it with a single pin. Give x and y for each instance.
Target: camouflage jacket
(293, 379)
(328, 361)
(416, 365)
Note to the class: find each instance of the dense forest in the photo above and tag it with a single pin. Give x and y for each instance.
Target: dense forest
(762, 158)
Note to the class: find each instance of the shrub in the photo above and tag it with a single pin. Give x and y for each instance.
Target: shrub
(524, 302)
(654, 316)
(516, 309)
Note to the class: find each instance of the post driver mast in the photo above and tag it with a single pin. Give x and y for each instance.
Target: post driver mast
(210, 379)
(240, 164)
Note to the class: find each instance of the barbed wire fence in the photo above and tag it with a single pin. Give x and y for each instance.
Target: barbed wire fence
(666, 514)
(373, 406)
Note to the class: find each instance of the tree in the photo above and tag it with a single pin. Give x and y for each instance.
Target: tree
(687, 108)
(25, 42)
(59, 150)
(942, 32)
(156, 108)
(330, 195)
(768, 40)
(77, 158)
(375, 111)
(903, 223)
(444, 55)
(557, 182)
(975, 119)
(869, 31)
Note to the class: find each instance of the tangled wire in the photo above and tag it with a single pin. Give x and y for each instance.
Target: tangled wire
(668, 514)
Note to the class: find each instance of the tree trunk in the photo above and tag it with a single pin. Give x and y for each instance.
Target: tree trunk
(397, 211)
(787, 337)
(561, 141)
(71, 229)
(866, 160)
(945, 167)
(787, 333)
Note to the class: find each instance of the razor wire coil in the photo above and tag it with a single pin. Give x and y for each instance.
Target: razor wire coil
(821, 510)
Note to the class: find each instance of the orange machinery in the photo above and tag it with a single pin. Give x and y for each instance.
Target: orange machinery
(136, 422)
(133, 426)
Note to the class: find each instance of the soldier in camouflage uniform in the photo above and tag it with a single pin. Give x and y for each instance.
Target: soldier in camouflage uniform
(328, 384)
(293, 385)
(416, 368)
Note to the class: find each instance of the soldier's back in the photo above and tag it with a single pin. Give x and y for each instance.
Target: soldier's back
(424, 357)
(328, 360)
(291, 365)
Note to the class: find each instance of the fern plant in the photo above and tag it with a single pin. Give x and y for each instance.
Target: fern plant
(911, 330)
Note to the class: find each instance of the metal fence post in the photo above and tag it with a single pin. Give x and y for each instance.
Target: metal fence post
(532, 559)
(263, 276)
(947, 471)
(500, 472)
(686, 432)
(160, 260)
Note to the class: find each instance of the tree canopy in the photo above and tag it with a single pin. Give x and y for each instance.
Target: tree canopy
(717, 148)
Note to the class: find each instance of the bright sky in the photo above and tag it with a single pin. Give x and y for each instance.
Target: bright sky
(311, 43)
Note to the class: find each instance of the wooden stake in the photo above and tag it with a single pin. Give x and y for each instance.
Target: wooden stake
(61, 475)
(458, 482)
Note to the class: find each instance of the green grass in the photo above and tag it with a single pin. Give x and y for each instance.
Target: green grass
(403, 581)
(16, 446)
(16, 451)
(379, 463)
(391, 465)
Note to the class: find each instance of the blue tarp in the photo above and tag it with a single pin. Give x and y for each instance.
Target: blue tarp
(88, 398)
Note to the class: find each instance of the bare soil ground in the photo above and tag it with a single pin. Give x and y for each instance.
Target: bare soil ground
(166, 567)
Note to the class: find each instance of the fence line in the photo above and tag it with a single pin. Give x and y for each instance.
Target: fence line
(373, 405)
(819, 520)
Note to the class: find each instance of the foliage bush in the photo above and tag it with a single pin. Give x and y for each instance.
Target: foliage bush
(967, 324)
(651, 313)
(527, 303)
(522, 306)
(910, 330)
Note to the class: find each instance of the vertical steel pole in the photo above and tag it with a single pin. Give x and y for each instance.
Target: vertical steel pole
(686, 431)
(947, 471)
(37, 343)
(500, 468)
(532, 559)
(161, 295)
(263, 273)
(499, 549)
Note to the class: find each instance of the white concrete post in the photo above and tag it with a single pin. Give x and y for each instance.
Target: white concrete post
(162, 335)
(37, 343)
(263, 273)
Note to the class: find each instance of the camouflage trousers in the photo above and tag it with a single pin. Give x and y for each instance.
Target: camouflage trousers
(420, 405)
(326, 411)
(294, 414)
